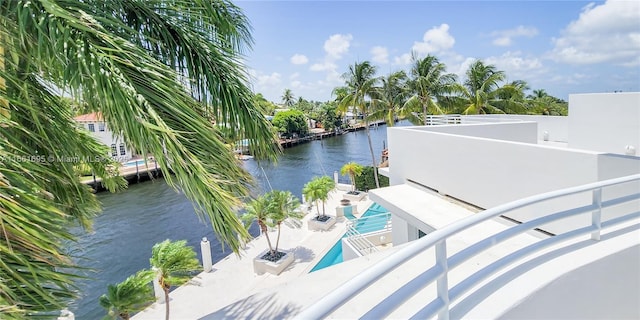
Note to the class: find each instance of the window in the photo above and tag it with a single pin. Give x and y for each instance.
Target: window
(114, 151)
(91, 127)
(122, 150)
(101, 126)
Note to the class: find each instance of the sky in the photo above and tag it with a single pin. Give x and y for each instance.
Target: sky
(563, 47)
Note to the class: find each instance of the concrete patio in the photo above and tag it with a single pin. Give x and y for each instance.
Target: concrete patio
(233, 279)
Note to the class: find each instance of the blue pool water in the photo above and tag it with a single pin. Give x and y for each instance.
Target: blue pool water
(133, 163)
(377, 222)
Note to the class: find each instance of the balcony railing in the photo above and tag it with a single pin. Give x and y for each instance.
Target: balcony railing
(439, 272)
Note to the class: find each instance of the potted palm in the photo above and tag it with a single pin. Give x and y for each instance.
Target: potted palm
(270, 211)
(353, 169)
(318, 190)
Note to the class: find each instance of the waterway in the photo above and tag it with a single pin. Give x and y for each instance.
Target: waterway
(134, 220)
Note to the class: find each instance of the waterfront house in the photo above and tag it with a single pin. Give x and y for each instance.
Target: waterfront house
(98, 128)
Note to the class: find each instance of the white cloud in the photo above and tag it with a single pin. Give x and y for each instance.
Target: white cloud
(516, 66)
(380, 55)
(459, 66)
(299, 59)
(296, 84)
(436, 39)
(505, 37)
(294, 75)
(403, 60)
(337, 45)
(325, 66)
(265, 80)
(603, 33)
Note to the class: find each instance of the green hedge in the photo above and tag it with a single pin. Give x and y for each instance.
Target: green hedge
(366, 180)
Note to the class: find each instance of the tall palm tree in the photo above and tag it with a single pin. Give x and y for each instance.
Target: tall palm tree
(131, 295)
(352, 169)
(480, 89)
(429, 83)
(157, 71)
(175, 262)
(360, 84)
(288, 99)
(389, 97)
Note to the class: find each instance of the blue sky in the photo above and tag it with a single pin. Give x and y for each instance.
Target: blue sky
(563, 47)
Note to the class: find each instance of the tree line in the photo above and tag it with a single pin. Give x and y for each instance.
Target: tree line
(427, 89)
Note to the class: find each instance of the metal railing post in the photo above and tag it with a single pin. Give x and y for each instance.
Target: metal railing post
(596, 215)
(443, 283)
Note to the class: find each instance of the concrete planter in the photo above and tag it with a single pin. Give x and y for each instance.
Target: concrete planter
(261, 266)
(316, 225)
(355, 197)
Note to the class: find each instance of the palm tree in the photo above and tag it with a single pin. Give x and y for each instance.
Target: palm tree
(318, 190)
(175, 262)
(360, 85)
(389, 97)
(429, 83)
(287, 98)
(480, 89)
(352, 169)
(510, 98)
(131, 295)
(258, 210)
(282, 206)
(157, 71)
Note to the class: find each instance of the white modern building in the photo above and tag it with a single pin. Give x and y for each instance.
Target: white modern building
(94, 123)
(507, 217)
(488, 213)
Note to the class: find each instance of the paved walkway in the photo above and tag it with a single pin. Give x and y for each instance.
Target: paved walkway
(233, 279)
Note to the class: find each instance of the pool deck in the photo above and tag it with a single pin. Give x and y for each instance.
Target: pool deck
(233, 279)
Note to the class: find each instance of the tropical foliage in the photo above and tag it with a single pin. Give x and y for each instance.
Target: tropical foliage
(366, 182)
(389, 97)
(291, 122)
(352, 169)
(359, 89)
(428, 84)
(270, 211)
(283, 205)
(318, 190)
(129, 296)
(160, 72)
(175, 262)
(480, 90)
(288, 99)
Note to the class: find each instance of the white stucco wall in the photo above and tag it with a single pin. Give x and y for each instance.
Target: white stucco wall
(605, 122)
(516, 131)
(488, 172)
(557, 127)
(107, 138)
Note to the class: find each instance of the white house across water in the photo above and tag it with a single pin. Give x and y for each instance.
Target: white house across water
(99, 129)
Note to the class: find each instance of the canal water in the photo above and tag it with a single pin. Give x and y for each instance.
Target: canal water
(134, 220)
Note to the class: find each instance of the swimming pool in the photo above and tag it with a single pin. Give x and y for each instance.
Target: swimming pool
(133, 163)
(376, 221)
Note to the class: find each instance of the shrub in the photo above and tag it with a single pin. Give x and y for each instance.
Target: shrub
(366, 181)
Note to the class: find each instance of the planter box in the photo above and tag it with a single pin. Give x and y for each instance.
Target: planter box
(261, 266)
(320, 225)
(355, 197)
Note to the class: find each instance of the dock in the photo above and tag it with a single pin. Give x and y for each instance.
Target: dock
(133, 174)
